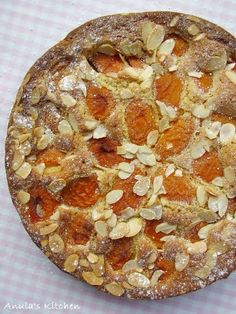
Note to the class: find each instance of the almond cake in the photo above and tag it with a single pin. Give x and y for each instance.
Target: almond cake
(121, 154)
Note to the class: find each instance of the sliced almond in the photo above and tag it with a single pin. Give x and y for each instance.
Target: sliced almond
(138, 280)
(168, 238)
(204, 231)
(18, 159)
(200, 111)
(65, 128)
(23, 197)
(174, 21)
(92, 258)
(157, 183)
(112, 221)
(152, 138)
(197, 150)
(119, 231)
(195, 74)
(55, 216)
(178, 173)
(24, 170)
(39, 131)
(43, 142)
(219, 203)
(155, 277)
(115, 289)
(130, 73)
(227, 133)
(146, 29)
(148, 214)
(57, 185)
(152, 199)
(127, 213)
(218, 181)
(213, 203)
(98, 268)
(40, 168)
(35, 96)
(96, 215)
(164, 124)
(222, 205)
(126, 167)
(166, 48)
(230, 66)
(90, 124)
(123, 175)
(130, 147)
(231, 76)
(126, 93)
(199, 247)
(68, 100)
(199, 37)
(169, 170)
(114, 196)
(67, 83)
(229, 174)
(101, 228)
(165, 227)
(155, 37)
(99, 132)
(131, 265)
(181, 261)
(142, 186)
(71, 263)
(107, 49)
(214, 130)
(48, 229)
(202, 195)
(56, 243)
(135, 226)
(193, 29)
(91, 278)
(216, 62)
(173, 68)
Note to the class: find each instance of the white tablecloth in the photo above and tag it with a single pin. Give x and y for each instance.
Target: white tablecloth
(27, 29)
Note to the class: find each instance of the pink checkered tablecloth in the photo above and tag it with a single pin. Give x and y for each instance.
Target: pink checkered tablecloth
(28, 28)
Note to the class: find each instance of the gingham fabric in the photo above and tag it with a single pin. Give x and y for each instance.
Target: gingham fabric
(27, 279)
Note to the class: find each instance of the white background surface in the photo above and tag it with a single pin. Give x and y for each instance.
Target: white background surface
(27, 30)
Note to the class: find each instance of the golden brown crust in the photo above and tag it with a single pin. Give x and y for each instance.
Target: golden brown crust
(58, 193)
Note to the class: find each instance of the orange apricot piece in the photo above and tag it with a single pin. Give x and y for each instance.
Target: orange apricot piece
(149, 230)
(205, 82)
(99, 101)
(79, 230)
(135, 62)
(167, 266)
(192, 235)
(208, 166)
(223, 118)
(175, 139)
(104, 63)
(81, 192)
(140, 122)
(168, 89)
(129, 198)
(104, 150)
(51, 157)
(181, 46)
(41, 204)
(120, 253)
(179, 189)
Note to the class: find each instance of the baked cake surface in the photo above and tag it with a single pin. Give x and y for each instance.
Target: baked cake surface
(121, 154)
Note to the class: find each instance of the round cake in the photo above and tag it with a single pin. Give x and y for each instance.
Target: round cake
(121, 154)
